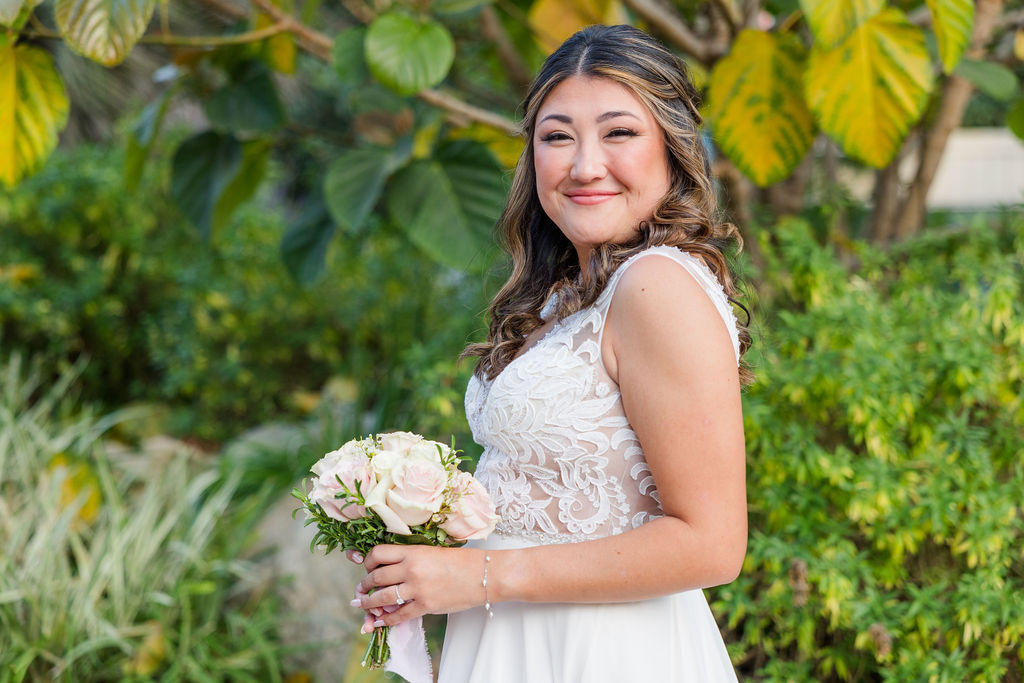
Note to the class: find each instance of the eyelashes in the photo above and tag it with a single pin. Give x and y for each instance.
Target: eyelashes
(614, 133)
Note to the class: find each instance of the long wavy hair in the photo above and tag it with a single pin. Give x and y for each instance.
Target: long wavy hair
(544, 261)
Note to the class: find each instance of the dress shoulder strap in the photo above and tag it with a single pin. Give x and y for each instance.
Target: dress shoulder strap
(697, 270)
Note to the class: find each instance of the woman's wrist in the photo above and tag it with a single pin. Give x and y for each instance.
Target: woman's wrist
(504, 576)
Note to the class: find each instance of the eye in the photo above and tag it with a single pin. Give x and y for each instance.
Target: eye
(554, 137)
(622, 133)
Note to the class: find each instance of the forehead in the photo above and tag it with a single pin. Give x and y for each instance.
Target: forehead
(588, 97)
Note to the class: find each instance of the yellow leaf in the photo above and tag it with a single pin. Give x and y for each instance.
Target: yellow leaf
(33, 109)
(1018, 44)
(105, 31)
(832, 21)
(553, 21)
(952, 21)
(151, 653)
(756, 102)
(279, 50)
(79, 485)
(869, 90)
(506, 147)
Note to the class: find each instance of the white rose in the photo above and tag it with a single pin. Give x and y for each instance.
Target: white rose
(428, 450)
(398, 441)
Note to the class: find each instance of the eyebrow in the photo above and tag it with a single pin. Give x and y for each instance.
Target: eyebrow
(600, 119)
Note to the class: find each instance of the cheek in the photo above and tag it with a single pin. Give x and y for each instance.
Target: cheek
(548, 168)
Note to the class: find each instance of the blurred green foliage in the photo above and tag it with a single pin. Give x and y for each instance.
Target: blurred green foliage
(220, 333)
(885, 438)
(118, 564)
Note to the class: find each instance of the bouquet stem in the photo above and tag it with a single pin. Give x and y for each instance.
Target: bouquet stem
(377, 652)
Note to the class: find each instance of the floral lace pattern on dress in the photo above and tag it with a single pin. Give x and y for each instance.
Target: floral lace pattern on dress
(560, 459)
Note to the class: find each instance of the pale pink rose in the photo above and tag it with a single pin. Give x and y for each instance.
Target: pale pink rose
(349, 464)
(472, 515)
(377, 501)
(398, 441)
(418, 488)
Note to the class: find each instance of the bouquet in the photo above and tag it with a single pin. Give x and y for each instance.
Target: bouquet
(393, 488)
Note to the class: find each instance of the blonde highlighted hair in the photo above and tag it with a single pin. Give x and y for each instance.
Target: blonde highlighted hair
(543, 259)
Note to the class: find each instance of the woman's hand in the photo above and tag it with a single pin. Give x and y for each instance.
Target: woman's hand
(426, 579)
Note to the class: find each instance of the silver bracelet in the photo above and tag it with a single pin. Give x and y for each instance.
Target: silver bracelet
(487, 599)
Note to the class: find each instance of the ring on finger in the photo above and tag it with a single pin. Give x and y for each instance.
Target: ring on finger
(398, 597)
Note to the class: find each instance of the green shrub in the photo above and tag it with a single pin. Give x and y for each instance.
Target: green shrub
(885, 437)
(116, 565)
(219, 332)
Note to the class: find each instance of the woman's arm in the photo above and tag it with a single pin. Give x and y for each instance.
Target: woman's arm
(670, 352)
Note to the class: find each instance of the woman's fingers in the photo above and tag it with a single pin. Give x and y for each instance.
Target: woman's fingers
(384, 575)
(354, 556)
(403, 613)
(383, 554)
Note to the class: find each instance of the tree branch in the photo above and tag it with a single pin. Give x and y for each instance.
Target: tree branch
(730, 13)
(672, 27)
(955, 97)
(492, 30)
(320, 45)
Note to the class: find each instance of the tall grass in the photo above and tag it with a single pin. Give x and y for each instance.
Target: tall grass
(116, 564)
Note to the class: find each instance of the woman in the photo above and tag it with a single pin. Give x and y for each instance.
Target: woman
(607, 398)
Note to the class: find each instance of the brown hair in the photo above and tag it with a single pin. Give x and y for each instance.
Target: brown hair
(543, 259)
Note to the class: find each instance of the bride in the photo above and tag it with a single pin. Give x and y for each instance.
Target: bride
(606, 397)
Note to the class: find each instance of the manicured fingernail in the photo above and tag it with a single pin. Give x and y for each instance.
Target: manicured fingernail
(357, 558)
(378, 623)
(377, 611)
(365, 628)
(356, 603)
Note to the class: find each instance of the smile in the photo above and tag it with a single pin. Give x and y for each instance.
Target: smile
(590, 198)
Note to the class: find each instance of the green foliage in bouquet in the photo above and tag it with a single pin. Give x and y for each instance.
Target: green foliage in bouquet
(220, 333)
(885, 441)
(117, 565)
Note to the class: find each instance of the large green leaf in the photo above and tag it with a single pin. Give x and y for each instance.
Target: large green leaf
(952, 21)
(202, 169)
(407, 55)
(1015, 118)
(349, 56)
(833, 20)
(354, 182)
(103, 30)
(249, 102)
(143, 135)
(448, 205)
(33, 109)
(869, 90)
(245, 181)
(756, 102)
(995, 80)
(304, 246)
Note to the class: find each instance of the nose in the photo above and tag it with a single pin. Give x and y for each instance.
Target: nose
(588, 164)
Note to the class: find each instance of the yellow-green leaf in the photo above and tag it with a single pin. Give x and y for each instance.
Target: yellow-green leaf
(952, 20)
(756, 102)
(832, 21)
(13, 10)
(869, 90)
(279, 50)
(553, 21)
(105, 31)
(33, 109)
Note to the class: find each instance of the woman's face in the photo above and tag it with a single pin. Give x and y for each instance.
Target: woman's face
(601, 160)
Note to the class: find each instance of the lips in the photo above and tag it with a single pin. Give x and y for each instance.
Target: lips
(590, 197)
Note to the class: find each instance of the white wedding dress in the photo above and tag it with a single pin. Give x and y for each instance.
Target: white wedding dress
(563, 466)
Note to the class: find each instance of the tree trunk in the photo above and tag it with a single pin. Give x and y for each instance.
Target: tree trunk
(737, 190)
(955, 97)
(885, 198)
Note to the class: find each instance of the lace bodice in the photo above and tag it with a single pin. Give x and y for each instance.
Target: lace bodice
(560, 459)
